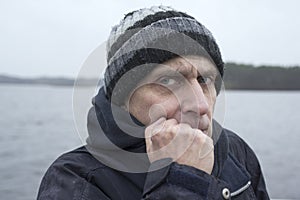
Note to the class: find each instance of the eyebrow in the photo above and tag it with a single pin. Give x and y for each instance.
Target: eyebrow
(170, 72)
(189, 71)
(184, 71)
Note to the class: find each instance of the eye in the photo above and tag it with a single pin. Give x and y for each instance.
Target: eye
(204, 80)
(169, 81)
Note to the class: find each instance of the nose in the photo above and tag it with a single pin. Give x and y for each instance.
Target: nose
(194, 99)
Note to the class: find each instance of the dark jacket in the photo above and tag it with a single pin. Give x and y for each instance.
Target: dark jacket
(81, 174)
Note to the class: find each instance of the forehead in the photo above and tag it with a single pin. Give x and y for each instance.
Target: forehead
(189, 65)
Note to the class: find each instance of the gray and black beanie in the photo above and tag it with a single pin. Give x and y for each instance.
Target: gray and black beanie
(151, 36)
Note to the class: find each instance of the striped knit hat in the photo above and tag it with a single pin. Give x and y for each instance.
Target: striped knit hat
(151, 36)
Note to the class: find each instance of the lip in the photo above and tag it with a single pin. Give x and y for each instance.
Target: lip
(196, 122)
(203, 126)
(205, 131)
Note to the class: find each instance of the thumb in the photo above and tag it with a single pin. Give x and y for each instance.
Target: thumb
(156, 111)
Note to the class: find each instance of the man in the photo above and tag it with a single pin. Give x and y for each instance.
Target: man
(151, 129)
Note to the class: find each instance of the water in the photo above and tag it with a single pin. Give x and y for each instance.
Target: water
(36, 126)
(269, 122)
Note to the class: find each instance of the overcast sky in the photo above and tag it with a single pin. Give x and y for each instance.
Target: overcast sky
(53, 38)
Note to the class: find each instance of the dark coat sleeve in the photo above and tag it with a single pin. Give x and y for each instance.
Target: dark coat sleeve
(177, 181)
(64, 180)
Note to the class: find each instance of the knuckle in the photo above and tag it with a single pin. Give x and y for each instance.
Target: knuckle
(173, 129)
(185, 125)
(171, 121)
(156, 137)
(198, 139)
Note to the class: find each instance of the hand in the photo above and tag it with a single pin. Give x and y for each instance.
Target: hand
(185, 145)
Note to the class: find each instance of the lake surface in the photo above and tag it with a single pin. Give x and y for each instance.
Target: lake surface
(36, 126)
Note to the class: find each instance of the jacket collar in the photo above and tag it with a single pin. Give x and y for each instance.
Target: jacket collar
(220, 148)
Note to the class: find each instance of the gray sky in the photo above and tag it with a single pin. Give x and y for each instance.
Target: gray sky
(53, 38)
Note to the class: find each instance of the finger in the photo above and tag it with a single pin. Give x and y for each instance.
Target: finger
(153, 127)
(156, 111)
(178, 129)
(149, 133)
(204, 142)
(207, 148)
(164, 131)
(169, 125)
(177, 138)
(184, 136)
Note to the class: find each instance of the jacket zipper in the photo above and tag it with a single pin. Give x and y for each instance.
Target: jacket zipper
(242, 189)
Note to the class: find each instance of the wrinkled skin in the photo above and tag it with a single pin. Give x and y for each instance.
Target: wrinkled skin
(176, 102)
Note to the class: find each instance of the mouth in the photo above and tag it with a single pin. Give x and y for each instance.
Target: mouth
(205, 131)
(204, 127)
(202, 124)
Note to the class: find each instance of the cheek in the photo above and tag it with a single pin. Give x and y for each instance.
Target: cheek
(211, 103)
(139, 107)
(211, 99)
(151, 109)
(171, 107)
(161, 108)
(148, 104)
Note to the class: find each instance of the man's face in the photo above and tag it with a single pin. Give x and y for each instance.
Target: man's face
(182, 89)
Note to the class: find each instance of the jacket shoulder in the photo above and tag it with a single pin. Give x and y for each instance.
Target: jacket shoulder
(68, 177)
(79, 160)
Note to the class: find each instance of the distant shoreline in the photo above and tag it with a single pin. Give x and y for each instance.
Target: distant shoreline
(237, 77)
(55, 81)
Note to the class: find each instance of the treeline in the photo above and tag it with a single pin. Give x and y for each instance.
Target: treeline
(237, 76)
(54, 81)
(248, 77)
